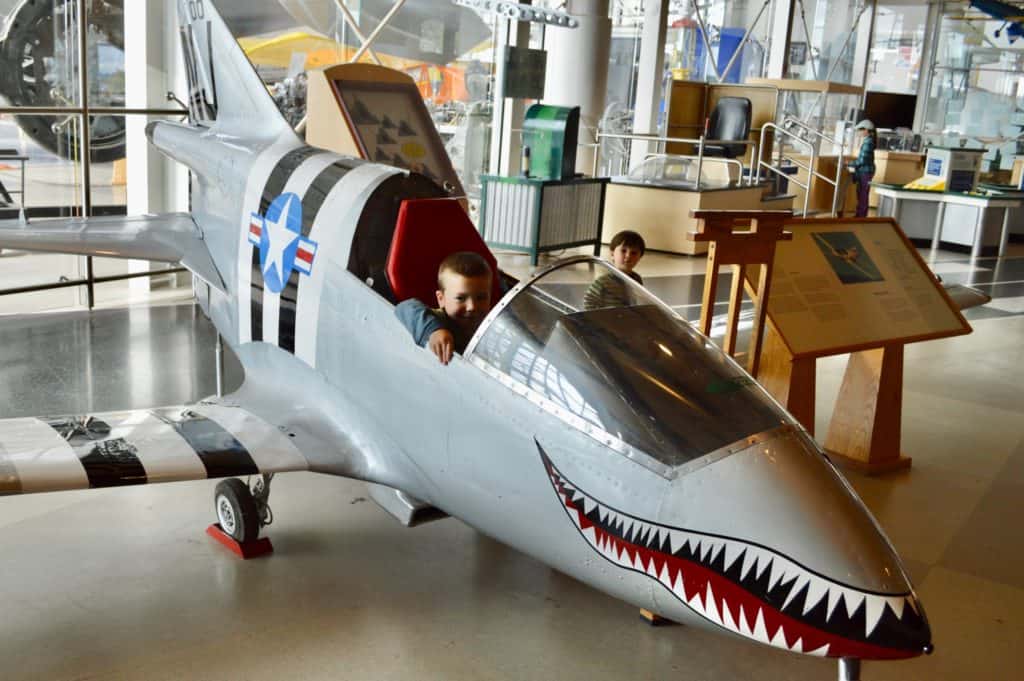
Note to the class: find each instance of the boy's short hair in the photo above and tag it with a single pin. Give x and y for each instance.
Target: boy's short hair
(464, 263)
(629, 239)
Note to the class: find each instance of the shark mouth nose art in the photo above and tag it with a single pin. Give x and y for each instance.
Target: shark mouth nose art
(748, 589)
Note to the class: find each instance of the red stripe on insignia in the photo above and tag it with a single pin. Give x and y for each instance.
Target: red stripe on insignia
(255, 229)
(305, 256)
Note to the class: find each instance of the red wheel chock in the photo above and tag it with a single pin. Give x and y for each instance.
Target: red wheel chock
(245, 551)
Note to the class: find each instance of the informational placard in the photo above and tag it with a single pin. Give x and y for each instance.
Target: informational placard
(391, 125)
(845, 285)
(525, 70)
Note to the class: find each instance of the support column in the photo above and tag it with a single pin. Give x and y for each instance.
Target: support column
(779, 36)
(151, 56)
(932, 25)
(577, 70)
(650, 78)
(507, 120)
(862, 53)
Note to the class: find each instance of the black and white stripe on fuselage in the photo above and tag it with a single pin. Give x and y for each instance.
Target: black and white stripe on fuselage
(139, 447)
(314, 194)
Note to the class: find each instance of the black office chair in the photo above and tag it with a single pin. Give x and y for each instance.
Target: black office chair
(729, 121)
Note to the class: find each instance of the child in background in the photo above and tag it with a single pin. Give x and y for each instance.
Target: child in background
(607, 290)
(863, 168)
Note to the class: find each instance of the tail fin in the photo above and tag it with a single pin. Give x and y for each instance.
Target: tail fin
(224, 89)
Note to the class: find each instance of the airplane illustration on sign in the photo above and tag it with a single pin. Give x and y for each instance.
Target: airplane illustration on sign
(617, 445)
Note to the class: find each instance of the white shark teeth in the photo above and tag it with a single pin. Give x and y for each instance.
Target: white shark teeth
(816, 590)
(588, 505)
(779, 640)
(778, 573)
(711, 607)
(873, 609)
(732, 552)
(760, 631)
(676, 540)
(820, 652)
(750, 560)
(897, 603)
(798, 585)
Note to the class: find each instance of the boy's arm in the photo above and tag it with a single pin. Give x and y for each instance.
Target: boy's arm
(419, 319)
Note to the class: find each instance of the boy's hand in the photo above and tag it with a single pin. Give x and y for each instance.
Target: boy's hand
(442, 344)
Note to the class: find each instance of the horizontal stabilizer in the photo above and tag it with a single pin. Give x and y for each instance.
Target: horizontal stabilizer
(169, 237)
(194, 442)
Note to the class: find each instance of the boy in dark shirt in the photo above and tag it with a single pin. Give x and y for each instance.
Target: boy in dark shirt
(464, 298)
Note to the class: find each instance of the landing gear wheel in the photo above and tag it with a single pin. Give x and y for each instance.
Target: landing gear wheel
(237, 511)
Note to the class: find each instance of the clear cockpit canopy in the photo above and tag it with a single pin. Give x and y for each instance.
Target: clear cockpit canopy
(601, 353)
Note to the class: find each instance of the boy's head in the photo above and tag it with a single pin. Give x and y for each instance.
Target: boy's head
(627, 249)
(464, 282)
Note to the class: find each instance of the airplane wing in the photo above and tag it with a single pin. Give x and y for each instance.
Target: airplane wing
(169, 237)
(205, 440)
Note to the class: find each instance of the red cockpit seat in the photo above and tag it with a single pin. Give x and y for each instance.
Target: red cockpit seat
(426, 232)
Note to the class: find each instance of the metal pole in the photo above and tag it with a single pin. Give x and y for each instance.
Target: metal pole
(84, 132)
(700, 160)
(707, 41)
(807, 36)
(373, 34)
(743, 42)
(218, 354)
(839, 175)
(351, 21)
(835, 63)
(849, 669)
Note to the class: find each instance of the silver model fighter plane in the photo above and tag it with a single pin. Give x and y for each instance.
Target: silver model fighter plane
(615, 444)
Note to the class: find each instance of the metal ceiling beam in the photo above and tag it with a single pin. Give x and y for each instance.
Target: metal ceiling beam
(351, 21)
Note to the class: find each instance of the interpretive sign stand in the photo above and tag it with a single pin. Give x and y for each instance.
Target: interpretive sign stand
(852, 286)
(741, 249)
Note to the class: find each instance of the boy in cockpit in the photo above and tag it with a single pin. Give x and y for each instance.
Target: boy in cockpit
(464, 298)
(608, 290)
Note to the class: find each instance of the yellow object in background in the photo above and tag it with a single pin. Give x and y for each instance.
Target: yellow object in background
(927, 183)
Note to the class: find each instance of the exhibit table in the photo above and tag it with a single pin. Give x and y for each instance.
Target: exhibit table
(660, 211)
(980, 222)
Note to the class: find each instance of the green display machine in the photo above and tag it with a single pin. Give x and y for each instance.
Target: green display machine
(551, 134)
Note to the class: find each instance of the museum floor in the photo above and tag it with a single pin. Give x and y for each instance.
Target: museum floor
(124, 584)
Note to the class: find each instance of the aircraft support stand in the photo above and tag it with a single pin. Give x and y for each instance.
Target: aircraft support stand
(849, 669)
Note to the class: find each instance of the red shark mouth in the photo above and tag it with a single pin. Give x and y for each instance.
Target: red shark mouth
(748, 589)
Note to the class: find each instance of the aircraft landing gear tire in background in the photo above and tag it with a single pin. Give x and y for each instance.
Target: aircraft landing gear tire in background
(237, 511)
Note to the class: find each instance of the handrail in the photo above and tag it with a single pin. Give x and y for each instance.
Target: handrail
(810, 168)
(814, 155)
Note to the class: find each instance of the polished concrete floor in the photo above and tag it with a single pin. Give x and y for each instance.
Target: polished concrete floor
(123, 584)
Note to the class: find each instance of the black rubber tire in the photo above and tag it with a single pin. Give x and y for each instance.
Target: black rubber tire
(236, 510)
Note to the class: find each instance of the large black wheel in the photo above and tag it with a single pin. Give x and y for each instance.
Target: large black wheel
(236, 510)
(32, 73)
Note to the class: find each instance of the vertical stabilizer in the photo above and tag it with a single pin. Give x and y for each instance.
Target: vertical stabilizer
(224, 90)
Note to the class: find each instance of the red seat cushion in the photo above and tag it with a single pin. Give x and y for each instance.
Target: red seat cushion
(428, 231)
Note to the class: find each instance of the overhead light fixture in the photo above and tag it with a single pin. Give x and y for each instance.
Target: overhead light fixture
(519, 12)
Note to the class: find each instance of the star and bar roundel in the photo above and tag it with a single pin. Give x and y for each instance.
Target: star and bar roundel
(282, 247)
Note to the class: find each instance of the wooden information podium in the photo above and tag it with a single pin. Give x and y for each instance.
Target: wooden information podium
(853, 286)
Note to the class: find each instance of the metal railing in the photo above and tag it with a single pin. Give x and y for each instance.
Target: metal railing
(701, 142)
(784, 132)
